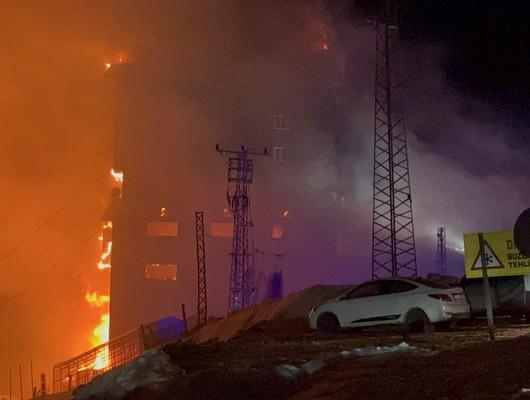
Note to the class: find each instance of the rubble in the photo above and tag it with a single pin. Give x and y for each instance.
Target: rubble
(295, 306)
(153, 370)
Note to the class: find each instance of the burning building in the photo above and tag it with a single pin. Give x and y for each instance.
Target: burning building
(167, 127)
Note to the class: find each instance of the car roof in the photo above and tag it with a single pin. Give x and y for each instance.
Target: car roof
(409, 280)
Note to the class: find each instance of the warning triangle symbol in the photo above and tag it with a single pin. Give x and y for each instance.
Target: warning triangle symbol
(492, 261)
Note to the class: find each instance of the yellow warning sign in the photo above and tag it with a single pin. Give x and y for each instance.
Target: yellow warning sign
(502, 256)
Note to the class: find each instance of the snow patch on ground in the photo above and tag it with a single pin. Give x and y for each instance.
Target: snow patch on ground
(152, 369)
(376, 350)
(311, 367)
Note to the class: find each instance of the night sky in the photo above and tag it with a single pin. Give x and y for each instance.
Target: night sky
(463, 68)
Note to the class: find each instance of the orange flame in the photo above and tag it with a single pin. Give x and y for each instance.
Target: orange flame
(107, 252)
(117, 175)
(102, 360)
(100, 334)
(103, 266)
(96, 300)
(104, 260)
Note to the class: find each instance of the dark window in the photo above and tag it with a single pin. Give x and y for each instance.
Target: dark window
(279, 153)
(278, 122)
(400, 286)
(435, 284)
(366, 290)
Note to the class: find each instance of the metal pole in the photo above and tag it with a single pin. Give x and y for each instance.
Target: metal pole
(20, 375)
(10, 384)
(486, 284)
(32, 386)
(184, 317)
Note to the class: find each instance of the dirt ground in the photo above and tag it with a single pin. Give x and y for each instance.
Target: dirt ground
(462, 364)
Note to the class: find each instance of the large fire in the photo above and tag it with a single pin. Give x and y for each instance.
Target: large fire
(104, 260)
(100, 334)
(96, 300)
(102, 358)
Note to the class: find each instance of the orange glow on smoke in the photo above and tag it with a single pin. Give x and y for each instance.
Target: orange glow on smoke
(117, 175)
(96, 300)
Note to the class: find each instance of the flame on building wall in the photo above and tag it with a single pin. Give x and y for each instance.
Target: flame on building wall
(120, 58)
(96, 300)
(117, 175)
(100, 334)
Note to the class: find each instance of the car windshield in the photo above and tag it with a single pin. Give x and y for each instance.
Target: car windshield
(380, 288)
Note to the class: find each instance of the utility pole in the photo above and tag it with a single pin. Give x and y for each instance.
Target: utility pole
(240, 174)
(43, 388)
(33, 389)
(202, 301)
(441, 252)
(486, 285)
(20, 375)
(393, 244)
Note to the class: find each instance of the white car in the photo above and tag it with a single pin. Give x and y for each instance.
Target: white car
(391, 301)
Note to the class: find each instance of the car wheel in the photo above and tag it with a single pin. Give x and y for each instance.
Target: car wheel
(328, 323)
(417, 321)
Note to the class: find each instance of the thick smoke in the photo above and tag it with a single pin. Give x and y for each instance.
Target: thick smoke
(57, 109)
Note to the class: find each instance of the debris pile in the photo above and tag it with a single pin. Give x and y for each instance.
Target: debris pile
(295, 306)
(153, 370)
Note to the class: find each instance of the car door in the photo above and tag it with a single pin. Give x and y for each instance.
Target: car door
(355, 308)
(392, 302)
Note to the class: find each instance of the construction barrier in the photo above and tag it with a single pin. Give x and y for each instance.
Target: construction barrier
(80, 370)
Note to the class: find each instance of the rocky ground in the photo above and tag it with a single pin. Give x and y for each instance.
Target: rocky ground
(462, 364)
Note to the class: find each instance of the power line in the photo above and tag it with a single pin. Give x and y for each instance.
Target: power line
(52, 268)
(142, 192)
(28, 265)
(47, 221)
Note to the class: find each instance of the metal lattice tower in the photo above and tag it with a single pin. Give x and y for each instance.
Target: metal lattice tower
(393, 245)
(202, 301)
(240, 173)
(441, 251)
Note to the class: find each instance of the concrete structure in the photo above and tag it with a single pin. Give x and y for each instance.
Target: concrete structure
(166, 132)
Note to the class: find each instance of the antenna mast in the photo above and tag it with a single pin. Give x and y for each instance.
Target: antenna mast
(240, 174)
(393, 245)
(441, 252)
(202, 301)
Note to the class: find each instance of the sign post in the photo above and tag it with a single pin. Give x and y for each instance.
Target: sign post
(486, 285)
(503, 256)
